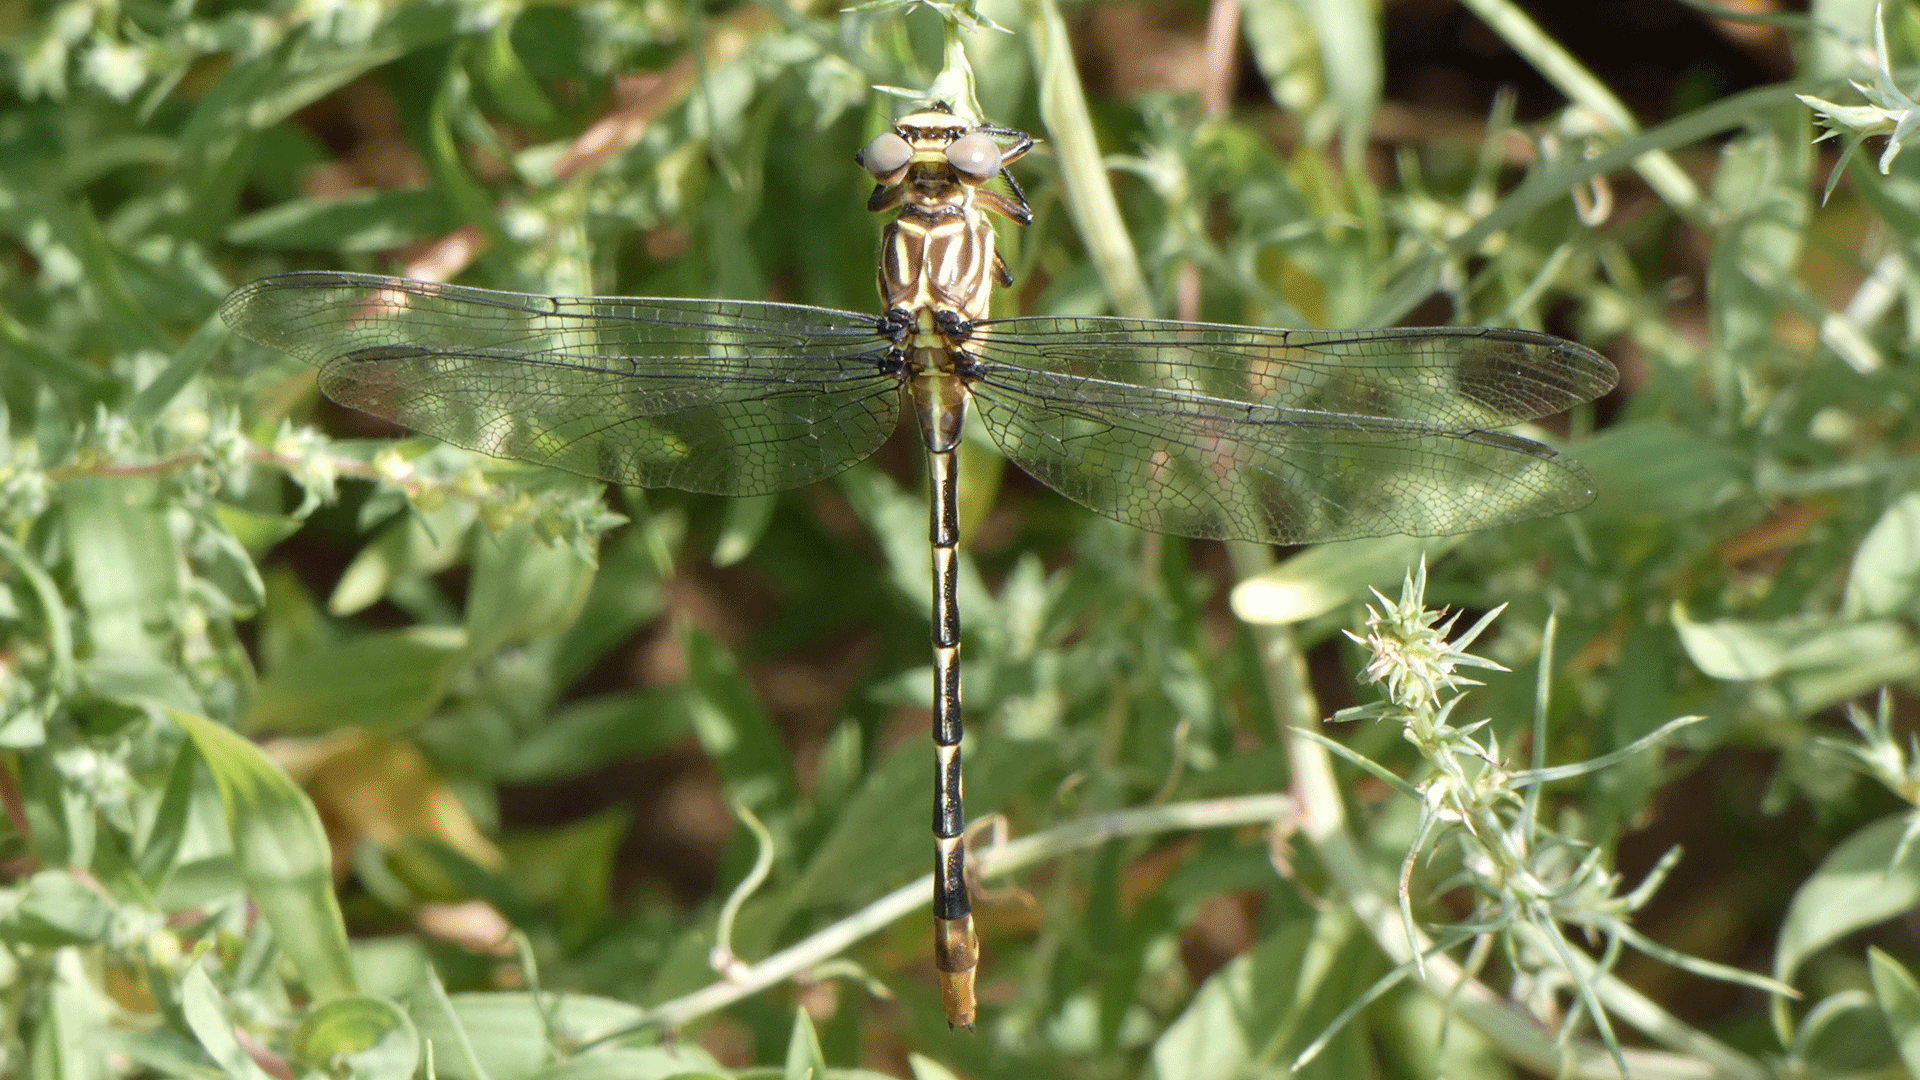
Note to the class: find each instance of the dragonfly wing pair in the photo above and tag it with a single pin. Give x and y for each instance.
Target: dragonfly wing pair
(719, 396)
(1284, 436)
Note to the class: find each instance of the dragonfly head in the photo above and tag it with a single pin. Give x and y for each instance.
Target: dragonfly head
(954, 148)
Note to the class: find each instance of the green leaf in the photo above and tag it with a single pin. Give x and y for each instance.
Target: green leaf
(804, 1060)
(371, 1037)
(1235, 1013)
(746, 522)
(210, 1019)
(1899, 997)
(1885, 576)
(361, 221)
(523, 588)
(378, 680)
(414, 542)
(1652, 469)
(733, 729)
(68, 1041)
(1856, 886)
(126, 567)
(1326, 576)
(1741, 650)
(507, 1031)
(511, 84)
(588, 734)
(56, 908)
(283, 853)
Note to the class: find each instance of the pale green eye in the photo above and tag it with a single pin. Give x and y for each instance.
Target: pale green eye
(976, 156)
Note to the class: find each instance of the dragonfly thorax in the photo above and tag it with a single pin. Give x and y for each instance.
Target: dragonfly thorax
(939, 255)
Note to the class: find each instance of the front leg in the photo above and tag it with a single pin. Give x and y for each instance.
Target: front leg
(896, 326)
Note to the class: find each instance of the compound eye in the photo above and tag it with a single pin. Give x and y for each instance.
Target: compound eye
(976, 156)
(886, 154)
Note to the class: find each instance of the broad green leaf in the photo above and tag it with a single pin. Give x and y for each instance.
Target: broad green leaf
(1743, 650)
(414, 542)
(507, 1032)
(56, 908)
(1652, 469)
(1235, 1013)
(378, 680)
(1857, 886)
(523, 588)
(283, 853)
(1899, 997)
(126, 567)
(1885, 576)
(372, 1038)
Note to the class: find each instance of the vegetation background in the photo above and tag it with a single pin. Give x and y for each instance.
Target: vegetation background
(323, 754)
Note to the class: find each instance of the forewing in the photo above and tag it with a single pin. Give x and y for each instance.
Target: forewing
(721, 396)
(1285, 436)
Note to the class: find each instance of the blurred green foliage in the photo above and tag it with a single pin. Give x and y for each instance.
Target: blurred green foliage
(306, 739)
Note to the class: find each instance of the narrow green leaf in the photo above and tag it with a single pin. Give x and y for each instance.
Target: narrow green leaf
(53, 610)
(68, 1041)
(169, 826)
(590, 733)
(804, 1060)
(210, 1019)
(746, 522)
(733, 729)
(191, 359)
(284, 856)
(511, 84)
(361, 221)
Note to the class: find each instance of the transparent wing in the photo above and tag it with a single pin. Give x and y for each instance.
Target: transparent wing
(1285, 436)
(720, 396)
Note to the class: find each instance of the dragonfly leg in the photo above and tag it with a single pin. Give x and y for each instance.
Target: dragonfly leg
(952, 325)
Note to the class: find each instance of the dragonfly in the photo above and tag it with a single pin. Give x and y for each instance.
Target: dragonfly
(1186, 428)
